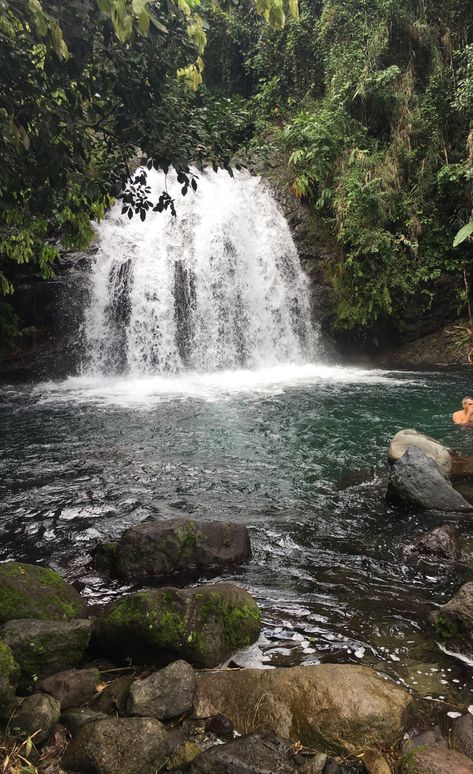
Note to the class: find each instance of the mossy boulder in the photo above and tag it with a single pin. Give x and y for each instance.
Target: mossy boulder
(9, 674)
(29, 591)
(203, 625)
(160, 549)
(454, 620)
(43, 648)
(334, 708)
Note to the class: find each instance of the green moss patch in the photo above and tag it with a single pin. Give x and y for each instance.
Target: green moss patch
(29, 591)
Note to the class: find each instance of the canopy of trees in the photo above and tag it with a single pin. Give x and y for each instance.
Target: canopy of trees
(369, 103)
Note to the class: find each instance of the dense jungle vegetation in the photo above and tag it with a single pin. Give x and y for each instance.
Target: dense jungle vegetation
(366, 104)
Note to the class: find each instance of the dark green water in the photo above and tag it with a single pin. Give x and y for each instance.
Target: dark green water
(297, 455)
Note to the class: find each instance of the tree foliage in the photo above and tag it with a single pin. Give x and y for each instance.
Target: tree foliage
(86, 86)
(371, 102)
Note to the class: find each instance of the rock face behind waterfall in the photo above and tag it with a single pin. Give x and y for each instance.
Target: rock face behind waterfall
(416, 480)
(157, 549)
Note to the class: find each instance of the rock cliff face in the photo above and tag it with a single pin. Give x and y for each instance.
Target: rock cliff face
(51, 313)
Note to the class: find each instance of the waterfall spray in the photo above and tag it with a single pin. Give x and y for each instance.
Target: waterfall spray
(218, 287)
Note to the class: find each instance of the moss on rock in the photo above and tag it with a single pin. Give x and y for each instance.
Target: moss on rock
(43, 648)
(28, 591)
(9, 674)
(202, 625)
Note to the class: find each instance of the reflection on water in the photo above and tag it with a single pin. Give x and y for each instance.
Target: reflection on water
(297, 453)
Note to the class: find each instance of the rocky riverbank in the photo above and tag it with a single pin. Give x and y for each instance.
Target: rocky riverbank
(149, 682)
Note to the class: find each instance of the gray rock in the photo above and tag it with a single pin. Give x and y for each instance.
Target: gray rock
(72, 687)
(29, 591)
(119, 745)
(203, 625)
(256, 753)
(77, 717)
(433, 736)
(416, 480)
(156, 549)
(43, 648)
(113, 699)
(432, 448)
(462, 735)
(440, 543)
(435, 760)
(9, 674)
(454, 620)
(36, 714)
(164, 694)
(341, 708)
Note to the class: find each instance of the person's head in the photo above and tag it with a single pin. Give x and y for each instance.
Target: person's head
(467, 402)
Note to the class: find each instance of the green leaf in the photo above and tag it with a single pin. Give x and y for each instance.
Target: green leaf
(143, 22)
(463, 234)
(105, 5)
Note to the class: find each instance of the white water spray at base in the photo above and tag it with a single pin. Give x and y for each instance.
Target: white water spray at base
(218, 287)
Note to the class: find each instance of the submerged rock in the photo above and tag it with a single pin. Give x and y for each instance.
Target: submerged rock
(203, 625)
(72, 687)
(124, 745)
(9, 674)
(435, 760)
(164, 694)
(29, 591)
(429, 446)
(440, 543)
(36, 714)
(256, 753)
(43, 648)
(332, 707)
(454, 620)
(155, 549)
(416, 480)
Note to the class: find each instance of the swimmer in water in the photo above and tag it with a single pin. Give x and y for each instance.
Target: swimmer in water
(465, 416)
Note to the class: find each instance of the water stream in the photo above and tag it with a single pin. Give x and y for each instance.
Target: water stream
(232, 416)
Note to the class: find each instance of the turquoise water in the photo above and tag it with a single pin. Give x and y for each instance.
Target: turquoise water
(297, 454)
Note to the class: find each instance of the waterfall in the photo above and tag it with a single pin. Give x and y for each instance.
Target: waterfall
(218, 287)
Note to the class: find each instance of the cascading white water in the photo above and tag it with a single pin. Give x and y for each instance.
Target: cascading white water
(218, 287)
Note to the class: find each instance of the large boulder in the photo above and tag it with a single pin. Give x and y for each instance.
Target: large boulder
(332, 707)
(416, 480)
(256, 753)
(43, 648)
(36, 714)
(203, 625)
(164, 694)
(432, 448)
(9, 674)
(125, 745)
(29, 591)
(72, 687)
(454, 620)
(155, 549)
(435, 760)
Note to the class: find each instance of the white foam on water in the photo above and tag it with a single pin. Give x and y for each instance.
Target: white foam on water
(145, 391)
